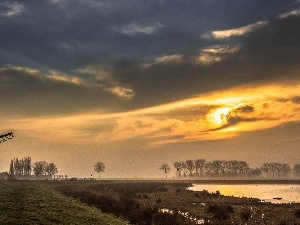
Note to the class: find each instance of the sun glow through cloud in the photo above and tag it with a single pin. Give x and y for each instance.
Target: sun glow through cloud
(223, 115)
(219, 116)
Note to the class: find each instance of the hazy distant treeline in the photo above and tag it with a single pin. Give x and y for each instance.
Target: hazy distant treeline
(231, 168)
(25, 167)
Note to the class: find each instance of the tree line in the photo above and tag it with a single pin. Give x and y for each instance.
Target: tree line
(229, 169)
(24, 166)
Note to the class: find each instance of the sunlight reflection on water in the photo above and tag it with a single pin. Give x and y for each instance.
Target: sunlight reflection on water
(267, 192)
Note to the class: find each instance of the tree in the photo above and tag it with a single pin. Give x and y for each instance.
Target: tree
(255, 172)
(99, 167)
(39, 168)
(179, 166)
(17, 166)
(199, 166)
(190, 166)
(266, 167)
(243, 167)
(296, 169)
(51, 169)
(233, 166)
(11, 169)
(165, 167)
(286, 169)
(27, 165)
(216, 166)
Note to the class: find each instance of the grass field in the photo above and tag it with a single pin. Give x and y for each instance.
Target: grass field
(140, 202)
(38, 203)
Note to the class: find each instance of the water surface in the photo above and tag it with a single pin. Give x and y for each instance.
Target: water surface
(266, 192)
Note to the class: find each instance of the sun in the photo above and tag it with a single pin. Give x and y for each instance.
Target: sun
(219, 116)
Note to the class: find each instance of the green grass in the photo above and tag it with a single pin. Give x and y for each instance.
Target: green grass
(38, 203)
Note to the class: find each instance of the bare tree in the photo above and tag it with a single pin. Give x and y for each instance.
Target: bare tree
(266, 167)
(243, 167)
(51, 169)
(11, 169)
(200, 166)
(286, 169)
(165, 168)
(190, 166)
(39, 168)
(179, 166)
(217, 167)
(296, 170)
(99, 167)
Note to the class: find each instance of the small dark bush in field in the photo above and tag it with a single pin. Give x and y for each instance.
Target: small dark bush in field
(220, 212)
(245, 214)
(297, 213)
(283, 222)
(146, 196)
(178, 190)
(170, 219)
(162, 189)
(158, 200)
(217, 194)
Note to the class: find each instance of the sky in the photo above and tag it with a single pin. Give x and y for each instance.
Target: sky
(136, 84)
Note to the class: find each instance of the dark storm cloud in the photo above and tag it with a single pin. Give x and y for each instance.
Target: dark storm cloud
(68, 36)
(267, 55)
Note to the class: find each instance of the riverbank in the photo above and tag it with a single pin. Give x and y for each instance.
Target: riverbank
(166, 202)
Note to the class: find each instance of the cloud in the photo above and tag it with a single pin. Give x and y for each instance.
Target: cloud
(33, 92)
(217, 115)
(136, 29)
(101, 77)
(295, 12)
(166, 59)
(239, 31)
(11, 8)
(214, 54)
(122, 92)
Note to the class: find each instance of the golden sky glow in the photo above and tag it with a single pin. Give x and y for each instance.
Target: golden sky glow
(221, 115)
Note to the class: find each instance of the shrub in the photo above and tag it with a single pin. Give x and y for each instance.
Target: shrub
(297, 213)
(245, 215)
(220, 212)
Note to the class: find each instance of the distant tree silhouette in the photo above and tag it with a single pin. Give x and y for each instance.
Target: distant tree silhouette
(190, 166)
(11, 169)
(286, 169)
(296, 169)
(266, 167)
(39, 168)
(99, 167)
(179, 166)
(51, 169)
(27, 165)
(199, 166)
(165, 168)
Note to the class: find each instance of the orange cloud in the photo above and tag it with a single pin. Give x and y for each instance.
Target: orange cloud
(210, 116)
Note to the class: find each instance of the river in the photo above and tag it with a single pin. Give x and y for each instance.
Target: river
(275, 193)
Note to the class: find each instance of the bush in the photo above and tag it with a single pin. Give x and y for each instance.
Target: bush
(220, 212)
(297, 213)
(246, 215)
